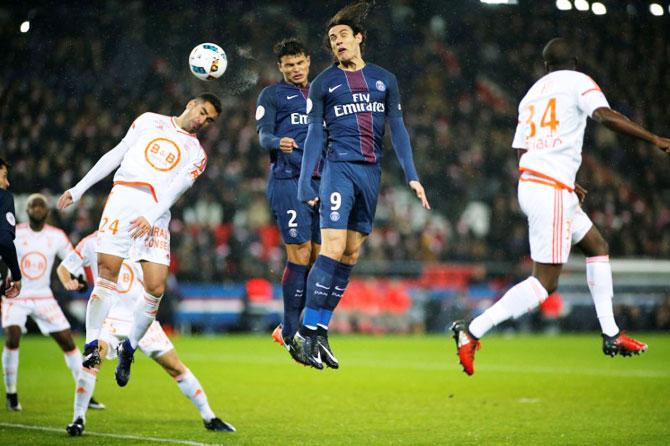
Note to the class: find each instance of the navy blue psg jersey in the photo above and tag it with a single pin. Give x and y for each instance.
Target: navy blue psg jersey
(354, 105)
(281, 112)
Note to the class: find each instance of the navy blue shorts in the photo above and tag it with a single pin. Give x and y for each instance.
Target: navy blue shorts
(348, 195)
(297, 222)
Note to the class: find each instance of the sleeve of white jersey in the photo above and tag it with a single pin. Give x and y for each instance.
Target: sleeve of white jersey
(80, 257)
(589, 95)
(110, 160)
(73, 262)
(519, 141)
(64, 247)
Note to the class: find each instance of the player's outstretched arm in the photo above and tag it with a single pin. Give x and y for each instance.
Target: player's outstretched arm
(403, 151)
(619, 123)
(105, 165)
(310, 156)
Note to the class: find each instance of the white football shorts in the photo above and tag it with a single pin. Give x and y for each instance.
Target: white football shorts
(555, 220)
(155, 342)
(45, 311)
(124, 204)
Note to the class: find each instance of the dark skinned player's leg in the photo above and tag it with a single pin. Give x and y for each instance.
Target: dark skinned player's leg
(599, 279)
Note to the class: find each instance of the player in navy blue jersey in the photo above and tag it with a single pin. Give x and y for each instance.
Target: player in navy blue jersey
(282, 127)
(356, 100)
(10, 288)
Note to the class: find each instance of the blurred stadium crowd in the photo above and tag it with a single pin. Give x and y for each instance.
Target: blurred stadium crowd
(68, 94)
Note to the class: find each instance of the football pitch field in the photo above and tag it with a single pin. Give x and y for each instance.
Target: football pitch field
(527, 390)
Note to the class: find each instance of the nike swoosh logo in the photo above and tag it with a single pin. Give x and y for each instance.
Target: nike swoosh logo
(321, 286)
(331, 89)
(339, 289)
(291, 97)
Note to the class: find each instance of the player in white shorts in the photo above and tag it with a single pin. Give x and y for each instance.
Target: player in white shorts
(37, 245)
(549, 137)
(159, 158)
(116, 328)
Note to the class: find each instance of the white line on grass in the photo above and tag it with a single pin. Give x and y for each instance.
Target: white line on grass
(102, 434)
(354, 362)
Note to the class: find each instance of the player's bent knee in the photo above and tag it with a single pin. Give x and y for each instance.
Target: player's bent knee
(64, 340)
(155, 289)
(350, 258)
(13, 337)
(332, 252)
(299, 254)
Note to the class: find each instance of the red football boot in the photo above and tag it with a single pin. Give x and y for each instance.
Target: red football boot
(620, 344)
(467, 345)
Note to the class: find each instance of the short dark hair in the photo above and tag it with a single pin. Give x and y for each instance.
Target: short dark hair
(212, 99)
(353, 16)
(559, 53)
(4, 163)
(289, 47)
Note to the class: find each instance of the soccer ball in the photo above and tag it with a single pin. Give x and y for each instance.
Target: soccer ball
(207, 61)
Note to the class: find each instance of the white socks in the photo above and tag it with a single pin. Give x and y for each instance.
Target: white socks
(83, 391)
(10, 368)
(517, 301)
(101, 300)
(73, 362)
(191, 388)
(599, 278)
(145, 315)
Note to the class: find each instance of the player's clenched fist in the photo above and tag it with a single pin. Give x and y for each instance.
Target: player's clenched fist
(287, 145)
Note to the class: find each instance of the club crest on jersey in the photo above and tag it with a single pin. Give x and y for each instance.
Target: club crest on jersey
(10, 218)
(381, 86)
(162, 154)
(260, 112)
(33, 265)
(334, 216)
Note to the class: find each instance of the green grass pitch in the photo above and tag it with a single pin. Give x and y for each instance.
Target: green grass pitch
(528, 389)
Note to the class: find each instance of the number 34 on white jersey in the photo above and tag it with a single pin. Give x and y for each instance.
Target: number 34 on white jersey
(552, 120)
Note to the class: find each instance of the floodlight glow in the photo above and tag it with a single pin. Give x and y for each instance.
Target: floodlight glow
(656, 9)
(25, 27)
(598, 8)
(563, 5)
(499, 2)
(581, 5)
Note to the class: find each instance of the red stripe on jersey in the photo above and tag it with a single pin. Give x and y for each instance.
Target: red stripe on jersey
(590, 90)
(357, 83)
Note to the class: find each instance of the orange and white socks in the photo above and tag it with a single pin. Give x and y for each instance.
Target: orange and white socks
(145, 315)
(83, 391)
(102, 298)
(73, 362)
(517, 301)
(599, 279)
(10, 368)
(191, 388)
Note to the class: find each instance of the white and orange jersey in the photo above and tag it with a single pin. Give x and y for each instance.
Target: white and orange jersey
(129, 286)
(158, 150)
(552, 120)
(36, 252)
